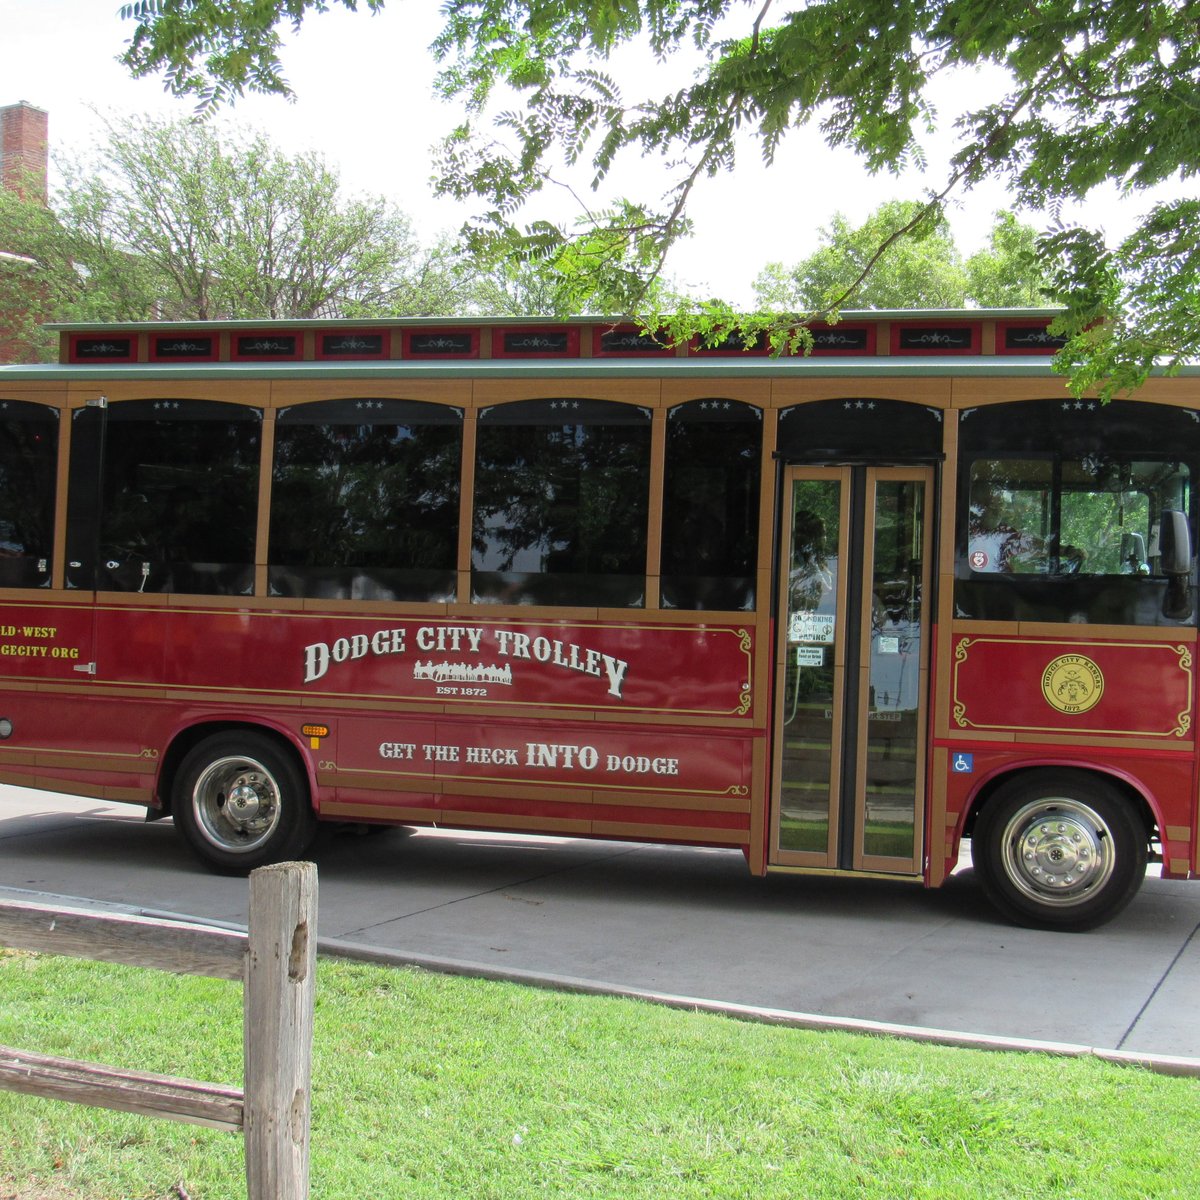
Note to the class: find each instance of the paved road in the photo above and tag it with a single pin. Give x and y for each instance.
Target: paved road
(676, 920)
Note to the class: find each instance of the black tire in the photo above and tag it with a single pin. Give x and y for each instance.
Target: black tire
(1060, 850)
(241, 801)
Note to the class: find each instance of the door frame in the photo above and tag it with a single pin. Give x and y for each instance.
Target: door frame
(848, 798)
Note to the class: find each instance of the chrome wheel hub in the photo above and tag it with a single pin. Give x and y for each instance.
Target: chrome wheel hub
(244, 800)
(236, 804)
(1058, 851)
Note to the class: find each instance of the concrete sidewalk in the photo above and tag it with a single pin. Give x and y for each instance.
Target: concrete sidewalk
(668, 920)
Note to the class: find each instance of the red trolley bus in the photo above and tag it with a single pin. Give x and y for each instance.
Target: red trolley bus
(837, 611)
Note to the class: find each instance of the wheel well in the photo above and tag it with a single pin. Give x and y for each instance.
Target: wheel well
(1135, 798)
(191, 737)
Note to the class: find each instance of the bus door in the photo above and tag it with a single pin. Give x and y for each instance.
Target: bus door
(852, 669)
(89, 425)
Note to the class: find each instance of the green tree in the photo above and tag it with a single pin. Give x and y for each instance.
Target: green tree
(181, 221)
(1009, 272)
(231, 227)
(1098, 94)
(37, 277)
(515, 284)
(62, 265)
(875, 265)
(513, 289)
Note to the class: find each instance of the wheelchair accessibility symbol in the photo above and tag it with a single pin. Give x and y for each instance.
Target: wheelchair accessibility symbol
(963, 764)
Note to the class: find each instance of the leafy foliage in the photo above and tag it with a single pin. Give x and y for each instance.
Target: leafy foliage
(1098, 95)
(235, 40)
(64, 264)
(231, 227)
(1009, 273)
(923, 270)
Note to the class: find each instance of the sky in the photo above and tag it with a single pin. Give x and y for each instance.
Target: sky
(364, 100)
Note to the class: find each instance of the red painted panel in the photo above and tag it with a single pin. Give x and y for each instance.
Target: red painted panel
(440, 343)
(102, 347)
(41, 641)
(702, 670)
(587, 757)
(936, 337)
(635, 668)
(1026, 337)
(848, 339)
(160, 668)
(357, 344)
(535, 342)
(268, 345)
(185, 347)
(1067, 685)
(615, 341)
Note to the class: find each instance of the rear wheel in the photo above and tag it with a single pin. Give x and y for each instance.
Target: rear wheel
(1060, 850)
(241, 801)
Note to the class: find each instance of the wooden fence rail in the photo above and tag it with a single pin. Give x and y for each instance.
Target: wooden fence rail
(276, 962)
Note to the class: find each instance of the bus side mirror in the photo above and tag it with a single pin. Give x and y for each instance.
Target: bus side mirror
(1133, 554)
(1175, 543)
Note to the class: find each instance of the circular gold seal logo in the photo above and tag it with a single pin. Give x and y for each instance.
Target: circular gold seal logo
(1072, 683)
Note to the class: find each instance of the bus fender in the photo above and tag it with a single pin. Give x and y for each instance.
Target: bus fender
(188, 733)
(1147, 806)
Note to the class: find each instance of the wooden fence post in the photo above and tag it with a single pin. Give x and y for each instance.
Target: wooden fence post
(278, 997)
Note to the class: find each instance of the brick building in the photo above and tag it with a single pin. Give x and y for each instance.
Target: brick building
(24, 145)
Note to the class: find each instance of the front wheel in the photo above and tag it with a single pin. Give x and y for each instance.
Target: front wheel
(240, 801)
(1060, 850)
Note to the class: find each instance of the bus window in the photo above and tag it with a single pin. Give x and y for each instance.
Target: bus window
(561, 504)
(710, 506)
(178, 497)
(28, 470)
(1061, 510)
(1009, 516)
(1085, 518)
(364, 500)
(1110, 523)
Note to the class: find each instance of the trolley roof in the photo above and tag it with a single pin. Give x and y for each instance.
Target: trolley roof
(864, 345)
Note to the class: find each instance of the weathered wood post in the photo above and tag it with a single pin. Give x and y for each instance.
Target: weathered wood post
(280, 984)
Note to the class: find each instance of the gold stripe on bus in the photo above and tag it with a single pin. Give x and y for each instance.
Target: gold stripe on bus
(672, 833)
(735, 794)
(834, 873)
(457, 818)
(142, 763)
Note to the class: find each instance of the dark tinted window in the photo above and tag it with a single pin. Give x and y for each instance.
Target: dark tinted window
(857, 430)
(710, 505)
(164, 497)
(364, 500)
(1062, 508)
(561, 502)
(28, 470)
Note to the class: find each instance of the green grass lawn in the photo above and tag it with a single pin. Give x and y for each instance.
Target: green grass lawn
(427, 1086)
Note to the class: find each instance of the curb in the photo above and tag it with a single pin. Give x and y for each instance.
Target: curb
(1160, 1064)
